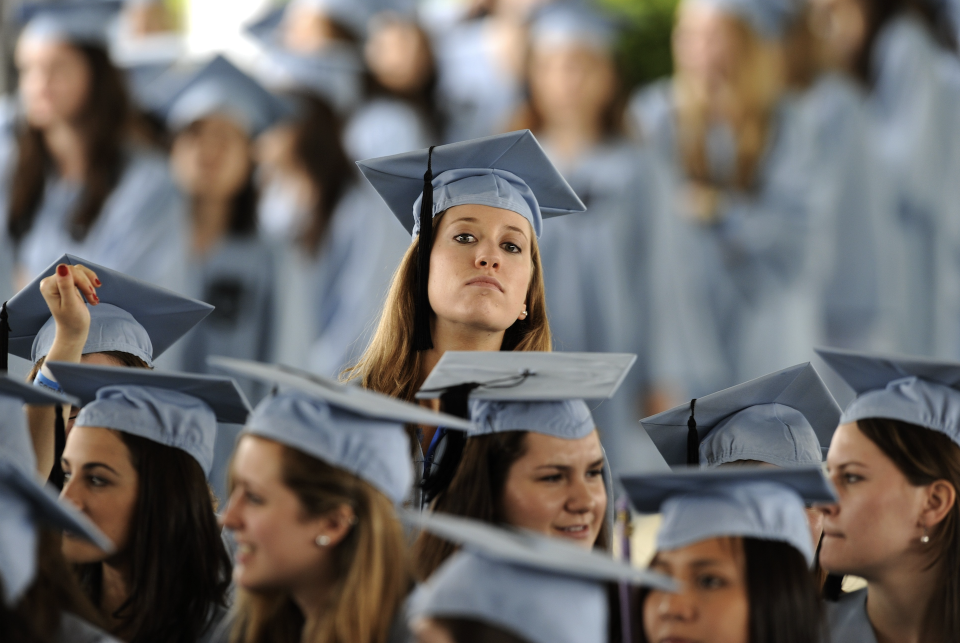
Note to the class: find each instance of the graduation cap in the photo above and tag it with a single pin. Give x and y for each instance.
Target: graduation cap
(85, 22)
(24, 506)
(567, 23)
(133, 316)
(178, 410)
(15, 443)
(335, 74)
(219, 87)
(541, 589)
(697, 504)
(507, 171)
(769, 18)
(785, 418)
(915, 390)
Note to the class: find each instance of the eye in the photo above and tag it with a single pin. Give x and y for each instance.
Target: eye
(556, 477)
(253, 498)
(465, 238)
(594, 473)
(97, 481)
(66, 476)
(512, 248)
(710, 581)
(850, 478)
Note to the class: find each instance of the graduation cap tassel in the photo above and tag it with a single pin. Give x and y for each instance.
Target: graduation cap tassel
(421, 319)
(693, 438)
(56, 477)
(4, 337)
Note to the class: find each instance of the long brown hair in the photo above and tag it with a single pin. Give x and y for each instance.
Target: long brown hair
(105, 122)
(924, 456)
(754, 92)
(37, 615)
(391, 366)
(476, 491)
(372, 573)
(179, 568)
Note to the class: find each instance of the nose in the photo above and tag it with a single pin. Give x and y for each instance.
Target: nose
(829, 510)
(71, 493)
(230, 519)
(488, 255)
(674, 607)
(583, 498)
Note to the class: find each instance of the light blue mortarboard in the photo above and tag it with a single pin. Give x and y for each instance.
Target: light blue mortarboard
(350, 428)
(769, 18)
(219, 87)
(566, 23)
(767, 504)
(85, 22)
(15, 443)
(915, 390)
(541, 589)
(785, 418)
(178, 410)
(133, 316)
(24, 506)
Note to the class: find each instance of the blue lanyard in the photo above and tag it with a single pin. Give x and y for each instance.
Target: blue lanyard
(431, 450)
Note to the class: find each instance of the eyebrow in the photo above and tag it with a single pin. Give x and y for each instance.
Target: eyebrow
(93, 465)
(567, 467)
(475, 220)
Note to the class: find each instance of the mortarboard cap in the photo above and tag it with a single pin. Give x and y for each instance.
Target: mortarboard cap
(15, 443)
(697, 504)
(24, 506)
(175, 409)
(768, 18)
(542, 589)
(785, 418)
(133, 316)
(916, 390)
(85, 22)
(219, 87)
(567, 23)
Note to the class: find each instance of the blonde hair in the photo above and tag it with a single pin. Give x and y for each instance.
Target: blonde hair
(391, 366)
(753, 95)
(371, 565)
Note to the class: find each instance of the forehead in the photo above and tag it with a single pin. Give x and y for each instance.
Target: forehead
(87, 443)
(722, 549)
(44, 49)
(556, 450)
(849, 443)
(488, 217)
(258, 459)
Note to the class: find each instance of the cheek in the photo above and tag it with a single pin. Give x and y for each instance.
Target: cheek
(529, 505)
(113, 515)
(281, 552)
(727, 614)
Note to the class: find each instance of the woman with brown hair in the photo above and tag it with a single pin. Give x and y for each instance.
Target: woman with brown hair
(733, 277)
(79, 181)
(895, 461)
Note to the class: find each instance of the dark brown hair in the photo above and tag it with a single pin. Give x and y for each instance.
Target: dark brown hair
(372, 571)
(105, 123)
(476, 491)
(468, 630)
(179, 568)
(924, 456)
(783, 595)
(37, 615)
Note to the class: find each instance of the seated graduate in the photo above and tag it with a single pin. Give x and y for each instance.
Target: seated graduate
(737, 543)
(513, 587)
(316, 478)
(40, 600)
(534, 459)
(136, 463)
(895, 459)
(77, 311)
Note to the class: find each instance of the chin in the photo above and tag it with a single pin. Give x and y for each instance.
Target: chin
(80, 552)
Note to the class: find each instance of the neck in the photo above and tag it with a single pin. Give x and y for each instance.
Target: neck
(898, 601)
(210, 221)
(569, 138)
(67, 150)
(313, 601)
(114, 592)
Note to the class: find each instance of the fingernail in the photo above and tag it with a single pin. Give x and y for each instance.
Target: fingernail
(62, 270)
(97, 281)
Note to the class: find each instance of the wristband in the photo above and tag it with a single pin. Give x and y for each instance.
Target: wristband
(46, 382)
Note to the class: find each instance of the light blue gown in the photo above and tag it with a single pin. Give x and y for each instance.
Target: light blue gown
(736, 299)
(847, 620)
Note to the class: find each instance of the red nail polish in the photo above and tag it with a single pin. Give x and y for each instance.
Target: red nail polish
(97, 281)
(62, 270)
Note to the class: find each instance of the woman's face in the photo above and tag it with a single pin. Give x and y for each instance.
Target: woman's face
(306, 30)
(556, 488)
(480, 268)
(704, 43)
(398, 56)
(211, 158)
(712, 605)
(55, 81)
(276, 540)
(101, 481)
(571, 84)
(875, 522)
(840, 30)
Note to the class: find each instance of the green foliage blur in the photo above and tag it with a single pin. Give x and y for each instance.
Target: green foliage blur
(644, 49)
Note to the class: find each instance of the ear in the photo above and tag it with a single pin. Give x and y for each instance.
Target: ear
(336, 524)
(941, 496)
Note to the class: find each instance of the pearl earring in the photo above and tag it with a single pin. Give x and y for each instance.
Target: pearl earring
(523, 315)
(322, 541)
(925, 538)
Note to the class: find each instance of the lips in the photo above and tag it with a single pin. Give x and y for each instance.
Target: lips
(486, 282)
(574, 531)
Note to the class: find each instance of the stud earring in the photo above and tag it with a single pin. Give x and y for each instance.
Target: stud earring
(925, 538)
(523, 315)
(322, 541)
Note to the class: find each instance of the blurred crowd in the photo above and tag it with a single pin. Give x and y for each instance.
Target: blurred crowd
(793, 184)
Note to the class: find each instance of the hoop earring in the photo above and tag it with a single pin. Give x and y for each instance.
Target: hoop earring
(925, 538)
(322, 541)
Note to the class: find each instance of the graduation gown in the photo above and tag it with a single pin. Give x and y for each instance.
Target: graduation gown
(847, 620)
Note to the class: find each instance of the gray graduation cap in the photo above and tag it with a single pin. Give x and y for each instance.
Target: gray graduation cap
(568, 23)
(348, 427)
(916, 390)
(507, 171)
(179, 410)
(15, 443)
(25, 506)
(697, 504)
(785, 418)
(133, 316)
(219, 87)
(541, 589)
(85, 22)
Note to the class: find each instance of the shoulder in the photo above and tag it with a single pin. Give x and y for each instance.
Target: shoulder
(847, 618)
(75, 630)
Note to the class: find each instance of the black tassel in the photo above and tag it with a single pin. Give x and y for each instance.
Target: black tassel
(4, 337)
(59, 443)
(693, 438)
(421, 318)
